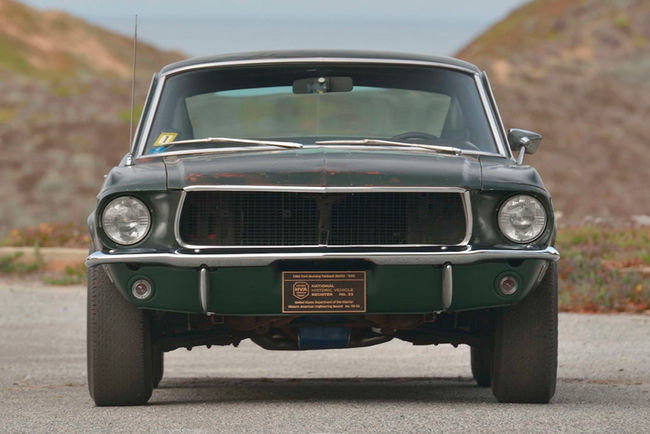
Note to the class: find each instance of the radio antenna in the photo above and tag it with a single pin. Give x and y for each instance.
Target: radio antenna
(135, 56)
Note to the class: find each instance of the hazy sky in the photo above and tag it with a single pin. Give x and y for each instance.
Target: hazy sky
(201, 27)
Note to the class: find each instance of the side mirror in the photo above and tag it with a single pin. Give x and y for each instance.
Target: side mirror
(523, 141)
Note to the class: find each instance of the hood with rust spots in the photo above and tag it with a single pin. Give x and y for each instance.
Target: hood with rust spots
(325, 168)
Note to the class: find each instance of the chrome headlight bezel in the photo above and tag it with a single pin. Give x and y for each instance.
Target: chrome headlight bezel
(139, 220)
(536, 215)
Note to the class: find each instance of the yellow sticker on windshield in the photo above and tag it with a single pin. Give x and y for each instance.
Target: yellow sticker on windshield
(165, 138)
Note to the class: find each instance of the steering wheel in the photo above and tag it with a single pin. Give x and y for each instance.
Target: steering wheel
(430, 138)
(415, 135)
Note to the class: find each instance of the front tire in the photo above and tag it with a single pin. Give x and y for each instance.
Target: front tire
(525, 346)
(118, 345)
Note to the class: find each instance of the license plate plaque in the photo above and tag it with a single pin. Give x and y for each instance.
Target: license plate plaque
(323, 291)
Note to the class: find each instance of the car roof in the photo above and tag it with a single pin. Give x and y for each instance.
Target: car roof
(262, 56)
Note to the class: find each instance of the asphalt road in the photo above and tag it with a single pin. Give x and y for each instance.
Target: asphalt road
(604, 381)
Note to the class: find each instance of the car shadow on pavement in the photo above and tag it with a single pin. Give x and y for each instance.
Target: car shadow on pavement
(407, 389)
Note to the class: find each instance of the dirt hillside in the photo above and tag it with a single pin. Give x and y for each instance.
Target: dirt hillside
(64, 111)
(52, 44)
(578, 71)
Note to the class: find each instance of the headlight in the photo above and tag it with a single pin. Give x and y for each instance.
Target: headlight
(522, 218)
(126, 220)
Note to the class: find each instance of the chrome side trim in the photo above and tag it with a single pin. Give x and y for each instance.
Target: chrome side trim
(447, 286)
(177, 259)
(203, 288)
(490, 116)
(465, 197)
(294, 60)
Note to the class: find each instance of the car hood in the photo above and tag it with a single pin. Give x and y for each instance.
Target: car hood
(325, 168)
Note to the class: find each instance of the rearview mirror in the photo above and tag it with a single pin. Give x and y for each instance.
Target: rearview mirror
(523, 141)
(322, 85)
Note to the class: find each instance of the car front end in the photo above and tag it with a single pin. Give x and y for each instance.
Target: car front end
(323, 202)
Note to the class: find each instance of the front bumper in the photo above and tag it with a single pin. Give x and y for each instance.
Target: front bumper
(177, 259)
(397, 282)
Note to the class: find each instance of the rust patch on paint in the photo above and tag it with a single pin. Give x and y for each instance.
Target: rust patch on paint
(243, 178)
(193, 177)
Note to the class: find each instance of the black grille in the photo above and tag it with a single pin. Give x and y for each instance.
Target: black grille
(245, 218)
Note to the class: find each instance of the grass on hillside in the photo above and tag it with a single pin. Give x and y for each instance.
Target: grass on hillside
(601, 270)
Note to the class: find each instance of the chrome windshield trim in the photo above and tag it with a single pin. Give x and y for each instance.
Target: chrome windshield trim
(141, 122)
(177, 259)
(308, 147)
(498, 137)
(465, 197)
(251, 62)
(493, 100)
(148, 122)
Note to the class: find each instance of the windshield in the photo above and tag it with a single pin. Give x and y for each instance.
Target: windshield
(312, 103)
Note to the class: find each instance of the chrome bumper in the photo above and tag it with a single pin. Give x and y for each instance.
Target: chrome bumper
(263, 259)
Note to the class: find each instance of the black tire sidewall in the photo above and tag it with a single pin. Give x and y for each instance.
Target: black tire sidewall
(524, 364)
(118, 345)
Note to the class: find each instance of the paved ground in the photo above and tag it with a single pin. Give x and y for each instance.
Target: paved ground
(604, 381)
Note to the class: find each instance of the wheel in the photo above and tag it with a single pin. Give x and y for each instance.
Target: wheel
(118, 345)
(482, 365)
(525, 346)
(158, 360)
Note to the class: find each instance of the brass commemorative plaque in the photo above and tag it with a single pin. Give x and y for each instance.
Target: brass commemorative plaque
(323, 291)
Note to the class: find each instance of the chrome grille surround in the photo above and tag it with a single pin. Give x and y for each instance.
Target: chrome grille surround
(464, 195)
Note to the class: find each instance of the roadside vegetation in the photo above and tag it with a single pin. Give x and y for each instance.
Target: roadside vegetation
(14, 263)
(45, 235)
(48, 235)
(602, 269)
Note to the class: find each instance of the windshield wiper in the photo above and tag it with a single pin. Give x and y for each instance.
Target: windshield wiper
(235, 140)
(379, 142)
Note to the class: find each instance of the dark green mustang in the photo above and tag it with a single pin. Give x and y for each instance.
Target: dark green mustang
(317, 200)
